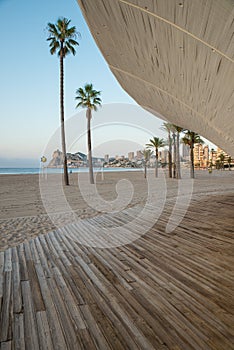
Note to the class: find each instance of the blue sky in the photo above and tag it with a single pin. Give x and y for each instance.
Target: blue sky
(29, 83)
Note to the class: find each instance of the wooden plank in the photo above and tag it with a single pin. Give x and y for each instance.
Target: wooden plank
(98, 337)
(6, 345)
(34, 252)
(22, 263)
(35, 287)
(69, 300)
(52, 316)
(95, 301)
(99, 283)
(6, 306)
(58, 246)
(1, 278)
(16, 287)
(42, 257)
(30, 327)
(18, 332)
(7, 260)
(1, 271)
(70, 335)
(44, 331)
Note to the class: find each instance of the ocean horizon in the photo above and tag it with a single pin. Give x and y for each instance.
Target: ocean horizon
(21, 171)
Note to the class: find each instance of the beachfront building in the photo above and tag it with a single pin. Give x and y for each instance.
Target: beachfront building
(139, 155)
(201, 156)
(131, 156)
(198, 155)
(226, 156)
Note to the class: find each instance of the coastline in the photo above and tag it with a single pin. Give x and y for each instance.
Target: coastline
(54, 170)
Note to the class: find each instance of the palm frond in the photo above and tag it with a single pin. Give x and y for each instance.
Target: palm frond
(88, 97)
(70, 48)
(73, 42)
(61, 32)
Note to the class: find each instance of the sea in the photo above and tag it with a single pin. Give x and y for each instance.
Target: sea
(17, 171)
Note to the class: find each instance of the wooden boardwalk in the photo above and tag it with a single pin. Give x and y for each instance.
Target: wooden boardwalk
(163, 291)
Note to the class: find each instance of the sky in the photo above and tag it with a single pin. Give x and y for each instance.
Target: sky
(29, 87)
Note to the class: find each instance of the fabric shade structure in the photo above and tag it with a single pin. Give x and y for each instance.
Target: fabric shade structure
(174, 57)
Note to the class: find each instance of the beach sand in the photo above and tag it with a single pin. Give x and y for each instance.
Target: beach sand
(23, 214)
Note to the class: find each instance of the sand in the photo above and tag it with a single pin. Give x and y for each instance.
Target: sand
(23, 214)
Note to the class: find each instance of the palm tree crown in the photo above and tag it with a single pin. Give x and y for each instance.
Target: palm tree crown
(156, 143)
(62, 38)
(191, 138)
(88, 97)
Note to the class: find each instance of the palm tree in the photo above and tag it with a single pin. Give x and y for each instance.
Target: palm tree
(178, 130)
(147, 153)
(218, 164)
(190, 139)
(174, 152)
(212, 156)
(168, 128)
(222, 158)
(89, 98)
(62, 40)
(156, 143)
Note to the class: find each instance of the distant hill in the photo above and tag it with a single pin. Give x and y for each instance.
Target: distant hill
(73, 159)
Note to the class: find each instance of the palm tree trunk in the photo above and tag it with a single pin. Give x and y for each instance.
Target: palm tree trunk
(156, 162)
(178, 174)
(65, 172)
(174, 155)
(89, 116)
(192, 160)
(170, 155)
(145, 172)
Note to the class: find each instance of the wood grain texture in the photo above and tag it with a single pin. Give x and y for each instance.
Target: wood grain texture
(162, 291)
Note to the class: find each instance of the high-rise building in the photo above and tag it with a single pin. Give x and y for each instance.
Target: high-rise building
(131, 156)
(205, 156)
(226, 155)
(139, 155)
(198, 154)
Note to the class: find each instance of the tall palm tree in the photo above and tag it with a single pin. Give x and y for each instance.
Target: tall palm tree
(178, 130)
(156, 143)
(212, 156)
(190, 139)
(168, 128)
(147, 153)
(222, 158)
(174, 152)
(88, 98)
(62, 40)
